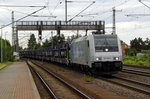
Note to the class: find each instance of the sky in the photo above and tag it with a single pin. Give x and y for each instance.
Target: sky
(127, 27)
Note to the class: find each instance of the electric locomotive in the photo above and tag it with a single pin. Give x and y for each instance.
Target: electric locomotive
(97, 53)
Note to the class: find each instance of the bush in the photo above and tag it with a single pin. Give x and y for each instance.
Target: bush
(137, 60)
(88, 78)
(145, 51)
(130, 51)
(140, 63)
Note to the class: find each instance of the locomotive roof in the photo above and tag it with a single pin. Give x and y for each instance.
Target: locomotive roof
(85, 37)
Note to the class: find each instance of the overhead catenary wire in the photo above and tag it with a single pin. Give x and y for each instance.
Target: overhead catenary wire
(30, 15)
(104, 12)
(25, 43)
(79, 1)
(116, 6)
(5, 18)
(119, 5)
(137, 15)
(3, 5)
(59, 2)
(144, 4)
(24, 17)
(20, 6)
(48, 8)
(110, 9)
(81, 11)
(23, 37)
(95, 7)
(45, 37)
(122, 3)
(92, 14)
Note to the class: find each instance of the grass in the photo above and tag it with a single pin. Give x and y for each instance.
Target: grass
(2, 65)
(63, 71)
(137, 60)
(87, 78)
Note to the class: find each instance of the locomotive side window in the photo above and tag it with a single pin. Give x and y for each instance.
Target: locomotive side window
(106, 44)
(88, 43)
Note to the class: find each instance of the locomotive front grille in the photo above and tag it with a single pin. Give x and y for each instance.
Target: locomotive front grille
(107, 66)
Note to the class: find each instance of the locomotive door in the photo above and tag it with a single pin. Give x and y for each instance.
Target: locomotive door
(87, 51)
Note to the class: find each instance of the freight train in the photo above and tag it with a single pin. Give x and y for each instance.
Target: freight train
(100, 54)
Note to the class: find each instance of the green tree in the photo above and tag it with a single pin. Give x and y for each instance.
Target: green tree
(7, 50)
(130, 52)
(38, 46)
(32, 42)
(147, 44)
(138, 44)
(70, 39)
(46, 43)
(56, 40)
(122, 42)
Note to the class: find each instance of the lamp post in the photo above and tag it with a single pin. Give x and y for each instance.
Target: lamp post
(6, 45)
(1, 44)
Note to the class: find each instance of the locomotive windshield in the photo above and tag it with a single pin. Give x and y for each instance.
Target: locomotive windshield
(106, 44)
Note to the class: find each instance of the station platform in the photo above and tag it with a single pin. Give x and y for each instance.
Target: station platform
(16, 82)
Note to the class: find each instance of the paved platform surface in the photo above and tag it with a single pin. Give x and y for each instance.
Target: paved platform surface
(16, 82)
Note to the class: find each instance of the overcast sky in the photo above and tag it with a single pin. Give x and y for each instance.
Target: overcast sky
(127, 27)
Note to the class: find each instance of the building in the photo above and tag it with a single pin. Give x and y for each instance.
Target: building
(124, 46)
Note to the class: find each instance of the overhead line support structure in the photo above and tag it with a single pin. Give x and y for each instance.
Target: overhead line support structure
(15, 35)
(15, 43)
(114, 20)
(60, 25)
(66, 11)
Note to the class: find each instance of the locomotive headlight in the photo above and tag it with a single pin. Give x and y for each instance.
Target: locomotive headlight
(106, 50)
(116, 58)
(98, 58)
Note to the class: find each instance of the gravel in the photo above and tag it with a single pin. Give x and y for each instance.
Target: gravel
(120, 90)
(104, 86)
(61, 91)
(42, 91)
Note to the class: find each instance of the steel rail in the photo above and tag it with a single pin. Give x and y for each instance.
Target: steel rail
(51, 93)
(139, 71)
(127, 86)
(83, 95)
(136, 72)
(136, 66)
(133, 81)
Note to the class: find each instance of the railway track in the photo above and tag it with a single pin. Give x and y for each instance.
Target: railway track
(50, 92)
(135, 66)
(72, 88)
(135, 85)
(130, 84)
(137, 72)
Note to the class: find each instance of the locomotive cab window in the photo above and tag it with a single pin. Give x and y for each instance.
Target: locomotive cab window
(106, 44)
